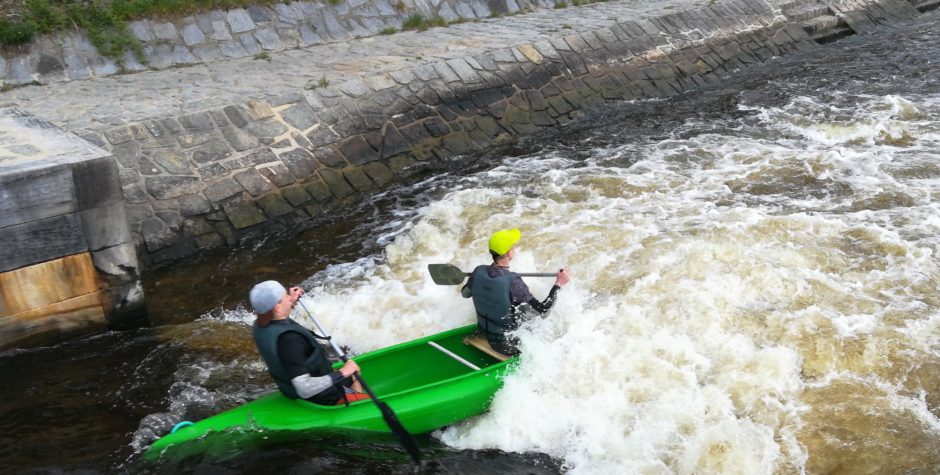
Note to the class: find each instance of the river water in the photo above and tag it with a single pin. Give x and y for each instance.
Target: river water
(754, 290)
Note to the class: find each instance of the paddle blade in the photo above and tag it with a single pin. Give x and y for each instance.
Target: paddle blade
(404, 438)
(446, 274)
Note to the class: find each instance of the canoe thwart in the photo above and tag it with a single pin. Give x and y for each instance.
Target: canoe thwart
(454, 356)
(479, 342)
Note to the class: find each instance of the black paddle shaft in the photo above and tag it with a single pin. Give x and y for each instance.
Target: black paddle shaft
(449, 274)
(391, 419)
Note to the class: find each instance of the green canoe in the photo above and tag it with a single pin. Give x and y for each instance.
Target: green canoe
(423, 381)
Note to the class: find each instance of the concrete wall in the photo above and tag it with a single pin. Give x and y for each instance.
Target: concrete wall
(68, 263)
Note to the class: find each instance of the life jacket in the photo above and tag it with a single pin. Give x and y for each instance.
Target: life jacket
(491, 298)
(316, 364)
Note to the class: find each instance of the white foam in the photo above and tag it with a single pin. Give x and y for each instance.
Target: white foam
(701, 308)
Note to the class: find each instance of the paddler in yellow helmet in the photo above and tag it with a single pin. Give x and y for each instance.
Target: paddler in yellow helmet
(501, 298)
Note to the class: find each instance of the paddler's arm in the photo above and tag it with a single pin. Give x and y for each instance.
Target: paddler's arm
(465, 291)
(293, 350)
(561, 278)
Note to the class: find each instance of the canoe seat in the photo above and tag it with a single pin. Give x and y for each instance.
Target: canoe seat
(479, 342)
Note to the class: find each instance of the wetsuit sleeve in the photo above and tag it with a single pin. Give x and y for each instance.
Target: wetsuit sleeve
(465, 291)
(544, 306)
(519, 291)
(294, 349)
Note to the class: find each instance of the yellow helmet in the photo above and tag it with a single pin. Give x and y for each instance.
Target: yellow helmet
(503, 240)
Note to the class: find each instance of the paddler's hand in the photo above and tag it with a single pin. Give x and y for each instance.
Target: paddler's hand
(561, 278)
(349, 368)
(295, 293)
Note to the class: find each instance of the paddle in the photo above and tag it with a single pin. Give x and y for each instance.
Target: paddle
(390, 418)
(449, 274)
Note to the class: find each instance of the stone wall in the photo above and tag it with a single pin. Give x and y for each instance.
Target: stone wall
(219, 35)
(202, 179)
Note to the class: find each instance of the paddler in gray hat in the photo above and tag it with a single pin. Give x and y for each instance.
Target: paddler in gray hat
(296, 361)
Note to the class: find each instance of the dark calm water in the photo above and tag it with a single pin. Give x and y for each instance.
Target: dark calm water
(755, 291)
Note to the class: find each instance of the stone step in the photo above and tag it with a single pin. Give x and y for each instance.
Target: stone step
(806, 11)
(925, 6)
(832, 35)
(822, 24)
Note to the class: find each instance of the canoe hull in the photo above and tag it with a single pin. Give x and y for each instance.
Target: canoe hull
(425, 388)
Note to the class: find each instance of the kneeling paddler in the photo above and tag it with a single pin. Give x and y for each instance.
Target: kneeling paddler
(501, 299)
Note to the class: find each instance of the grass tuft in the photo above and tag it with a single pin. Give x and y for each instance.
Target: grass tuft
(417, 22)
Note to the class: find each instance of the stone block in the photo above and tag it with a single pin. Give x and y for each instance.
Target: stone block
(393, 143)
(188, 140)
(319, 190)
(358, 151)
(357, 177)
(156, 234)
(379, 173)
(514, 116)
(402, 165)
(243, 215)
(239, 21)
(258, 14)
(253, 182)
(464, 71)
(277, 174)
(322, 135)
(212, 171)
(330, 157)
(165, 31)
(207, 53)
(336, 182)
(192, 35)
(172, 219)
(458, 143)
(300, 162)
(445, 72)
(274, 206)
(268, 128)
(170, 160)
(182, 56)
(296, 195)
(194, 204)
(301, 116)
(269, 39)
(119, 135)
(238, 139)
(211, 152)
(223, 189)
(197, 121)
(436, 127)
(166, 187)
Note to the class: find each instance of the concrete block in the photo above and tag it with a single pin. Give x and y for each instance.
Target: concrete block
(39, 241)
(105, 226)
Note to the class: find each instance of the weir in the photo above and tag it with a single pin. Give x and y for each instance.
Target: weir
(284, 115)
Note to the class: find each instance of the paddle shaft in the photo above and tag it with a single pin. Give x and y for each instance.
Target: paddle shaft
(529, 274)
(390, 418)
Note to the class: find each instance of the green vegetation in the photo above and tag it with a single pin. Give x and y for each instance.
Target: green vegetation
(417, 22)
(263, 55)
(389, 30)
(323, 82)
(561, 4)
(105, 21)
